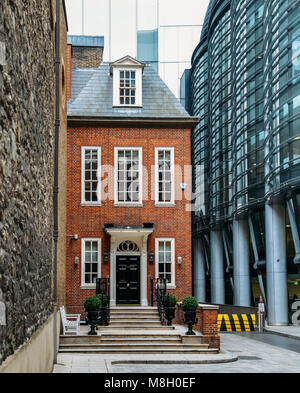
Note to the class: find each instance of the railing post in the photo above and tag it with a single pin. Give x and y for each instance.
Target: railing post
(160, 291)
(152, 295)
(102, 288)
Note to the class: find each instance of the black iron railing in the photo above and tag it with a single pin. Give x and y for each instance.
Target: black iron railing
(159, 288)
(103, 290)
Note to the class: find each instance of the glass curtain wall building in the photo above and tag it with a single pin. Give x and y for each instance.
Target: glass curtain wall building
(245, 87)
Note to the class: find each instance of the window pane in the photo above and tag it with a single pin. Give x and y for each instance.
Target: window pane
(127, 96)
(164, 175)
(90, 263)
(90, 174)
(165, 258)
(128, 176)
(87, 279)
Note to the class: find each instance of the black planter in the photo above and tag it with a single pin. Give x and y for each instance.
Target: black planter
(93, 319)
(190, 320)
(169, 314)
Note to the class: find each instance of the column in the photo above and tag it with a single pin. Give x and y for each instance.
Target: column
(241, 270)
(112, 275)
(276, 269)
(199, 270)
(144, 278)
(217, 267)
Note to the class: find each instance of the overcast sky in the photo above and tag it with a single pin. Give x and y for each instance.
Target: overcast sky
(176, 44)
(124, 20)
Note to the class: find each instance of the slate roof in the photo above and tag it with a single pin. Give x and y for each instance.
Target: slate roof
(92, 96)
(83, 40)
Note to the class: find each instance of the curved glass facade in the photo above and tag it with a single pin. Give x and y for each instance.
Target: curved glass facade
(245, 88)
(200, 140)
(220, 120)
(248, 120)
(282, 92)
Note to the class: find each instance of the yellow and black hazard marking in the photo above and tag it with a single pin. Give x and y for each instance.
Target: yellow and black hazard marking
(236, 322)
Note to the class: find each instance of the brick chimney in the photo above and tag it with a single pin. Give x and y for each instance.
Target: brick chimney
(83, 52)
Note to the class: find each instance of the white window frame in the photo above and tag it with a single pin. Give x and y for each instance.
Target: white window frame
(83, 241)
(83, 201)
(116, 193)
(138, 86)
(172, 284)
(128, 88)
(157, 202)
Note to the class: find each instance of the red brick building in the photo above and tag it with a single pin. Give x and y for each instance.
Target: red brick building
(128, 185)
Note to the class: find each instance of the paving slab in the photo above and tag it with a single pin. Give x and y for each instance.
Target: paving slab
(291, 331)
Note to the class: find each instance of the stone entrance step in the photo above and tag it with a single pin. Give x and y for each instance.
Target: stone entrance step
(133, 316)
(148, 345)
(117, 337)
(131, 309)
(124, 326)
(151, 350)
(135, 322)
(145, 339)
(134, 330)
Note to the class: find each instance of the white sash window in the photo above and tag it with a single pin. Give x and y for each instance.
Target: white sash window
(90, 262)
(91, 175)
(128, 175)
(165, 260)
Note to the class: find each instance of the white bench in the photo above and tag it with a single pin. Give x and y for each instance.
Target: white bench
(70, 322)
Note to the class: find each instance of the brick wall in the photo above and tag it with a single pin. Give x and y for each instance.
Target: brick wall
(87, 221)
(206, 323)
(86, 57)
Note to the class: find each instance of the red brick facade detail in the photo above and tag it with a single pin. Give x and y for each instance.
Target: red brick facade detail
(69, 70)
(87, 221)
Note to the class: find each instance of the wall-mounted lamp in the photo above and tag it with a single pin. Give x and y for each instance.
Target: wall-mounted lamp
(73, 237)
(106, 256)
(151, 256)
(179, 260)
(76, 261)
(183, 186)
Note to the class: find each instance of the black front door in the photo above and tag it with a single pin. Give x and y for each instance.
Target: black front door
(128, 279)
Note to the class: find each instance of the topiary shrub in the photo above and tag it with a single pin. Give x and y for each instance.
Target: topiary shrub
(172, 300)
(92, 303)
(103, 298)
(189, 303)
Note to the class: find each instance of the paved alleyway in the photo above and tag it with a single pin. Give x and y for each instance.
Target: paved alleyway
(253, 357)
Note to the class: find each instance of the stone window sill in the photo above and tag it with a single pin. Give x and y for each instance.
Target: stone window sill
(165, 204)
(88, 287)
(91, 204)
(128, 205)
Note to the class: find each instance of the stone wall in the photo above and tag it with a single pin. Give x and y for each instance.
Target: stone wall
(27, 132)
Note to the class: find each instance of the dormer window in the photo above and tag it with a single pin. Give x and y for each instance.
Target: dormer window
(127, 76)
(127, 88)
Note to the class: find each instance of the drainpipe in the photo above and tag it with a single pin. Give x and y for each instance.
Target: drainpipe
(55, 188)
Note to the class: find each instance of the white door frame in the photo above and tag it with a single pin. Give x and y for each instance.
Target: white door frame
(139, 236)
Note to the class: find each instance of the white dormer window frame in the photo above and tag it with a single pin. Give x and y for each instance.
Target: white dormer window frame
(127, 74)
(126, 87)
